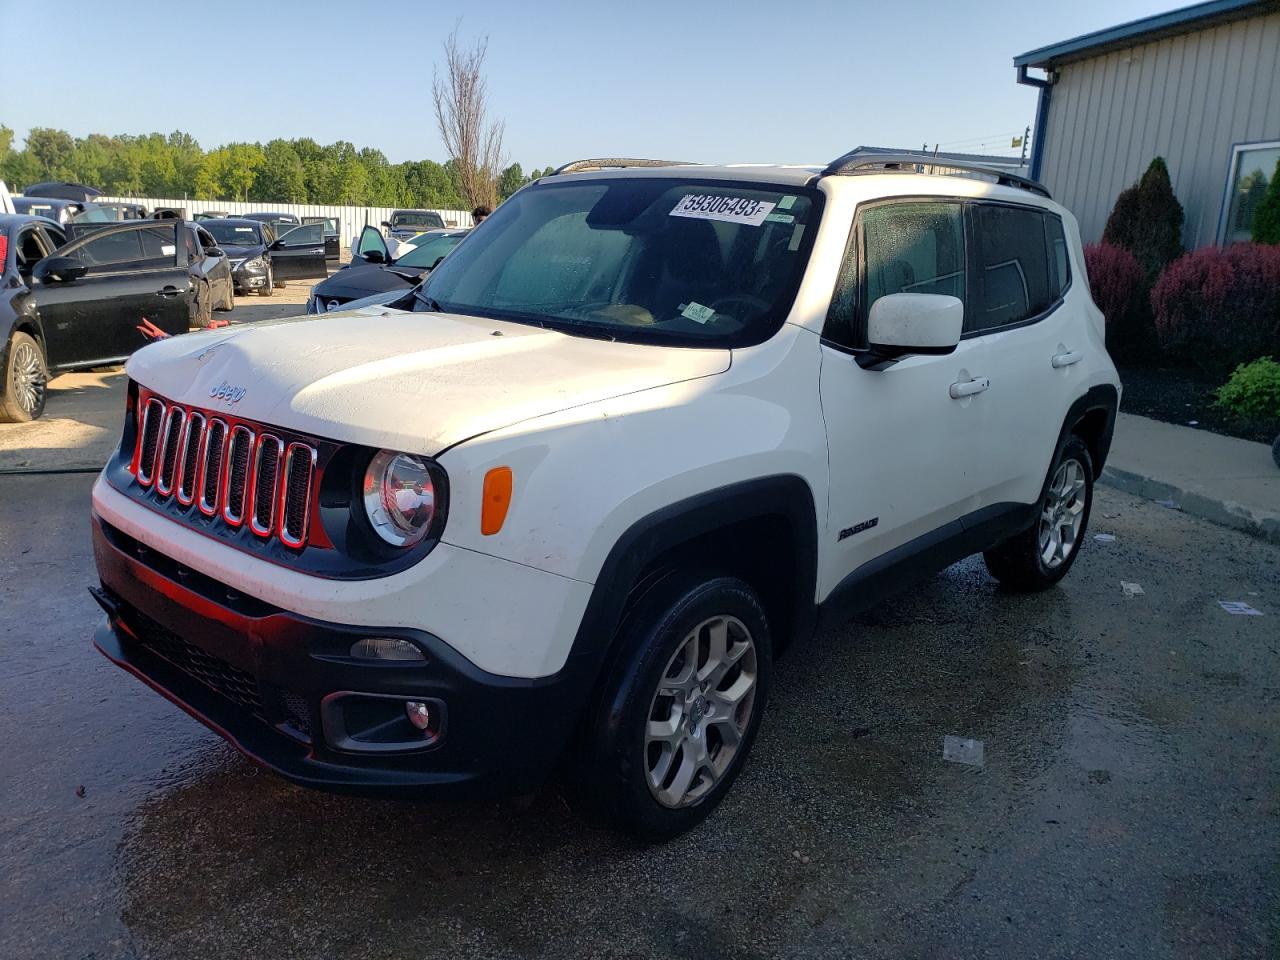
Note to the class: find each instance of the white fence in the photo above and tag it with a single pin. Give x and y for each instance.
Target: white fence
(351, 220)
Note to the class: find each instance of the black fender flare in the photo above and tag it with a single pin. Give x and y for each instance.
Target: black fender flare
(785, 495)
(1105, 398)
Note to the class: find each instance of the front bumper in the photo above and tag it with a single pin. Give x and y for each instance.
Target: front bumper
(258, 676)
(246, 279)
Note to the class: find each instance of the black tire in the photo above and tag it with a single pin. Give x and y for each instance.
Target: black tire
(26, 379)
(1020, 563)
(616, 759)
(204, 307)
(268, 288)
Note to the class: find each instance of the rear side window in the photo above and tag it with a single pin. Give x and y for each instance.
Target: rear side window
(1014, 276)
(906, 247)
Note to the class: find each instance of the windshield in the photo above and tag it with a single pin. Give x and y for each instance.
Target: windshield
(232, 234)
(426, 254)
(667, 261)
(410, 219)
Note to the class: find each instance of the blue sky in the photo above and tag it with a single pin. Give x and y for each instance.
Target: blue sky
(689, 80)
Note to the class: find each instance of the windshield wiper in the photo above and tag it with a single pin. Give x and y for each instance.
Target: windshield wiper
(430, 303)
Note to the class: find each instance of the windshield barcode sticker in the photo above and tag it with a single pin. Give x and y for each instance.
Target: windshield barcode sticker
(702, 206)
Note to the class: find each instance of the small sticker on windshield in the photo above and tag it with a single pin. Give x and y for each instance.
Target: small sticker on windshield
(776, 217)
(705, 206)
(697, 312)
(796, 234)
(167, 249)
(786, 202)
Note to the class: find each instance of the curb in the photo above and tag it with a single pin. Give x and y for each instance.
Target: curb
(1225, 513)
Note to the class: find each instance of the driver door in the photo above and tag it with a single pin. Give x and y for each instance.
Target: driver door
(904, 452)
(370, 242)
(298, 254)
(132, 274)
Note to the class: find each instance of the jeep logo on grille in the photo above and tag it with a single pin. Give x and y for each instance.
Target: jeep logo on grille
(224, 391)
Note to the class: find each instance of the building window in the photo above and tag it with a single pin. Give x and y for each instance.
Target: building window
(1253, 165)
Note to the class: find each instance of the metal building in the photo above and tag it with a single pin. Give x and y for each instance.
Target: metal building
(1198, 86)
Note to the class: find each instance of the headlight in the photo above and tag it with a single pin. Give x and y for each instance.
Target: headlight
(257, 263)
(399, 497)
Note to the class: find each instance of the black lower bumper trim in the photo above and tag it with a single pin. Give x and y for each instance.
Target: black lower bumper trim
(257, 675)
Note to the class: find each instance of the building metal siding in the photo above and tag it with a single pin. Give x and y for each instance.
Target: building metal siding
(351, 220)
(1188, 98)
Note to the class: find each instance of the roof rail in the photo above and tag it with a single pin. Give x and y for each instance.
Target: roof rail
(609, 163)
(857, 161)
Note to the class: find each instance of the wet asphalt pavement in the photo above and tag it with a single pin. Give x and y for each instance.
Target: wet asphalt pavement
(1129, 805)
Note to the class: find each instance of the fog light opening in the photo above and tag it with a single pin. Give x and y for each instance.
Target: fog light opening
(385, 648)
(419, 714)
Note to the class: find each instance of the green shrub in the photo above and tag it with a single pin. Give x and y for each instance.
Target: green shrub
(1253, 391)
(1266, 218)
(1147, 221)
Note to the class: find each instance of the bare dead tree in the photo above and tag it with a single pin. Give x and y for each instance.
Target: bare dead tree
(473, 140)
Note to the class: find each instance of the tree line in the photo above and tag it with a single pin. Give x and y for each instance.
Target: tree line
(279, 171)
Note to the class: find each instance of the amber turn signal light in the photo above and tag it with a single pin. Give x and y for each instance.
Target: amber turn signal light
(497, 498)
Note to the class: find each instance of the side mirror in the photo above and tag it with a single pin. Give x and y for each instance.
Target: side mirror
(276, 245)
(904, 323)
(60, 269)
(215, 252)
(374, 256)
(387, 224)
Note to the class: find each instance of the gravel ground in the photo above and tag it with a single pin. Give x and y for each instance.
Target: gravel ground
(1128, 805)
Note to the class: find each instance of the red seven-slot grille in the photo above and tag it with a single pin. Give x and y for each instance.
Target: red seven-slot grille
(240, 472)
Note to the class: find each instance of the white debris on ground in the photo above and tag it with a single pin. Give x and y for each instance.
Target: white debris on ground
(1239, 608)
(1131, 589)
(962, 750)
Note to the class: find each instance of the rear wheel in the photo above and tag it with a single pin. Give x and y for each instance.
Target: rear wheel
(679, 712)
(26, 378)
(1041, 556)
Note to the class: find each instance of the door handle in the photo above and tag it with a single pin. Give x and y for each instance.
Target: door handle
(1060, 360)
(168, 292)
(967, 388)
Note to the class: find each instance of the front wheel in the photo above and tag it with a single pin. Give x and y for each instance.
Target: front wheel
(268, 288)
(26, 377)
(679, 712)
(1041, 556)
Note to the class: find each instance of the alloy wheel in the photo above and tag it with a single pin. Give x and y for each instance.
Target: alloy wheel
(700, 712)
(29, 378)
(1062, 514)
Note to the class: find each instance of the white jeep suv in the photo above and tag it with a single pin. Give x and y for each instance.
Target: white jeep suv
(648, 425)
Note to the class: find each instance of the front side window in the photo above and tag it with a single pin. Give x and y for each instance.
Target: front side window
(656, 260)
(904, 247)
(146, 247)
(1011, 272)
(1253, 167)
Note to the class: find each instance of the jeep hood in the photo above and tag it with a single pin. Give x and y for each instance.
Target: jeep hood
(419, 382)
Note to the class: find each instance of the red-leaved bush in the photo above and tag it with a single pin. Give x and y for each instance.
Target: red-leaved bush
(1119, 287)
(1220, 306)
